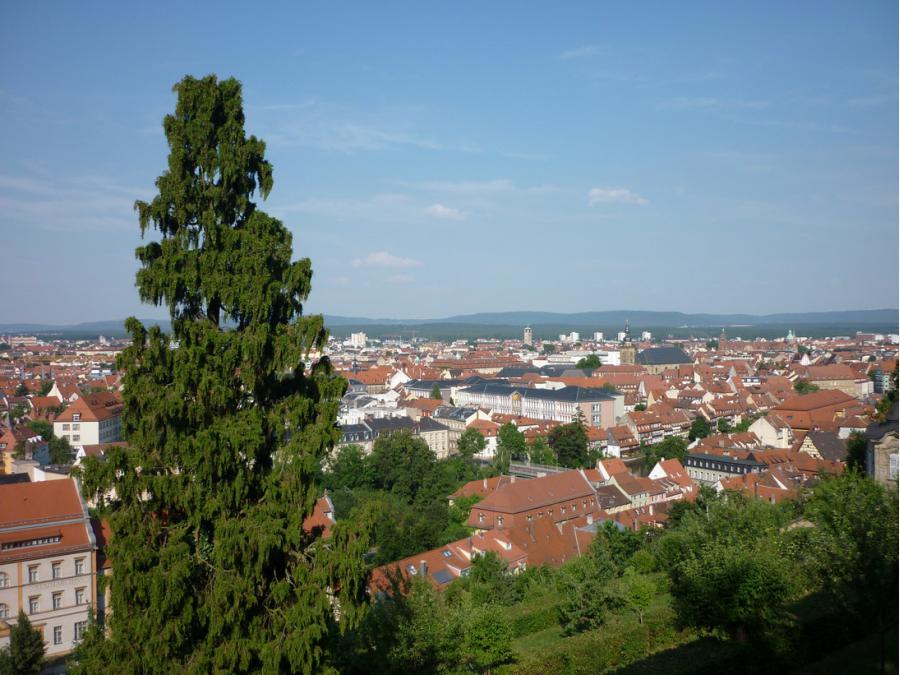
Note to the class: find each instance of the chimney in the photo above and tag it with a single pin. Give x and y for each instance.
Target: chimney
(512, 479)
(423, 567)
(484, 483)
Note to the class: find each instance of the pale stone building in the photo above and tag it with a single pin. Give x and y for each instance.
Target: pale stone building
(48, 556)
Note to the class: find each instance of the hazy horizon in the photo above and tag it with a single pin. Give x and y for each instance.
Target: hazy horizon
(156, 316)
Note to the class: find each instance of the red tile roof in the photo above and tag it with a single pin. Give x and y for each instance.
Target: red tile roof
(524, 495)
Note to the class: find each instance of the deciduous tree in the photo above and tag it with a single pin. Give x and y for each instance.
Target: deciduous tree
(589, 362)
(639, 592)
(672, 447)
(348, 469)
(510, 445)
(539, 452)
(857, 536)
(699, 428)
(470, 443)
(569, 442)
(801, 386)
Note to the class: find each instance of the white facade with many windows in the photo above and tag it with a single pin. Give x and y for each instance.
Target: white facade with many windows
(47, 562)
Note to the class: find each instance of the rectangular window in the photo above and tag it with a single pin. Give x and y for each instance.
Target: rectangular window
(34, 604)
(57, 570)
(57, 635)
(32, 574)
(76, 437)
(79, 566)
(57, 600)
(76, 427)
(79, 596)
(80, 629)
(76, 417)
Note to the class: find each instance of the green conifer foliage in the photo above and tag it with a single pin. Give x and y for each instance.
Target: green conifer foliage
(226, 426)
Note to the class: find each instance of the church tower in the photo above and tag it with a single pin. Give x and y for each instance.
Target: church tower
(627, 350)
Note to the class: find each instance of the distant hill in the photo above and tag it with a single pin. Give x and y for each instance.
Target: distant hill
(636, 318)
(546, 324)
(111, 328)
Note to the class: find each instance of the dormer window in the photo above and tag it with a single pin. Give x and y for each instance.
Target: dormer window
(76, 417)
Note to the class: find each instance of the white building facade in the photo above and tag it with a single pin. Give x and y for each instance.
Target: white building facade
(47, 562)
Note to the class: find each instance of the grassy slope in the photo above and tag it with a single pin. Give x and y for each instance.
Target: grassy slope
(624, 645)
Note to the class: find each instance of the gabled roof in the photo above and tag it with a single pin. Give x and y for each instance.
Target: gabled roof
(829, 445)
(49, 512)
(525, 495)
(817, 399)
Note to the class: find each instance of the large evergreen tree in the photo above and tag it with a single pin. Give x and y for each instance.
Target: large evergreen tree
(225, 424)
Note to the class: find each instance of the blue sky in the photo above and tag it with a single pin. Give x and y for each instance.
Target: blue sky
(434, 159)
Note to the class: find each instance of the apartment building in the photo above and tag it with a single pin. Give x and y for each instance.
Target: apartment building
(600, 407)
(91, 419)
(365, 433)
(557, 498)
(47, 561)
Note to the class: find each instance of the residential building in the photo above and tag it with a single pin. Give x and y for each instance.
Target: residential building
(91, 419)
(447, 563)
(773, 431)
(807, 411)
(555, 498)
(710, 469)
(600, 407)
(364, 434)
(47, 561)
(824, 445)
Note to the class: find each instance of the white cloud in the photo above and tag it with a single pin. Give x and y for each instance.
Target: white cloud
(385, 259)
(597, 196)
(579, 52)
(444, 212)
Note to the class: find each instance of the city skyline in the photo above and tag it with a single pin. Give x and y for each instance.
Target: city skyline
(432, 163)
